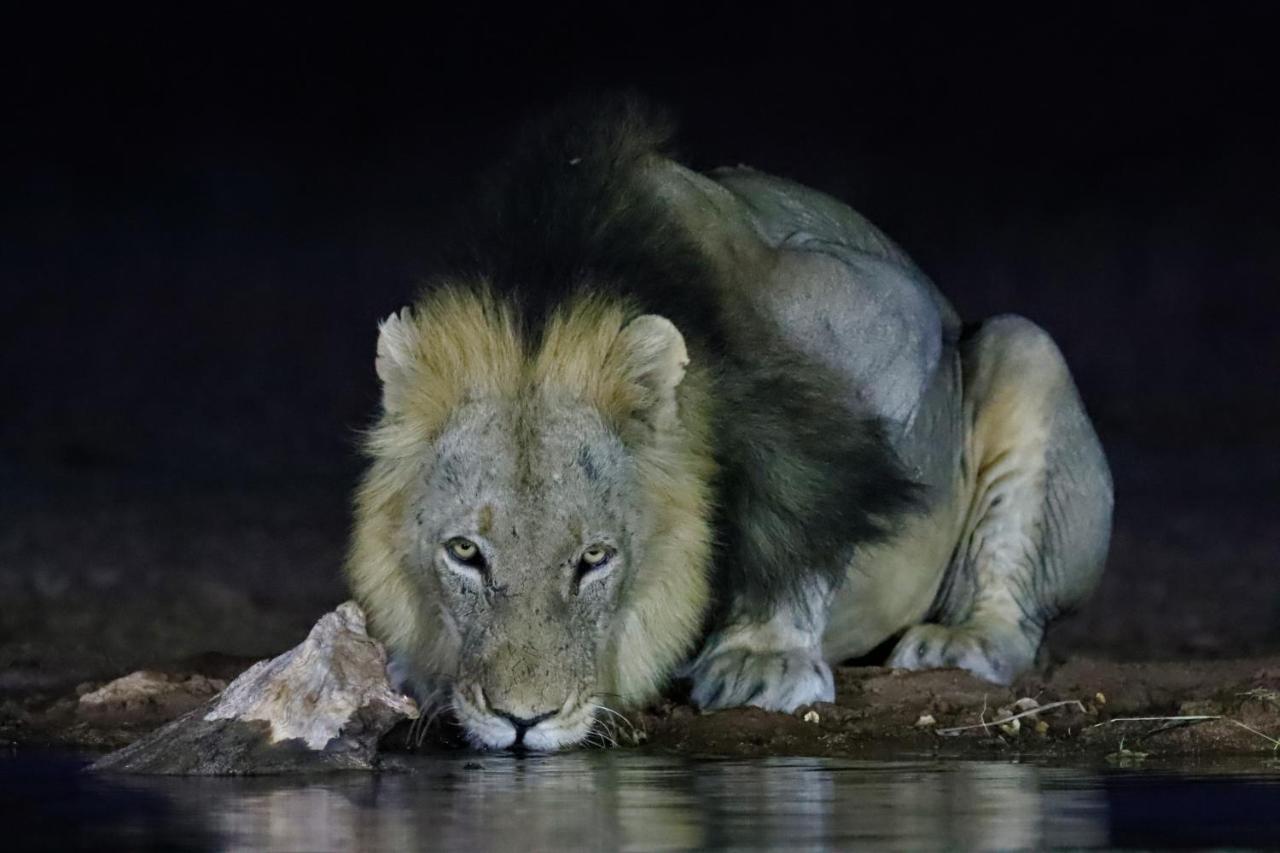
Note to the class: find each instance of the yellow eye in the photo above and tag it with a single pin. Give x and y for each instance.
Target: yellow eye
(596, 555)
(463, 550)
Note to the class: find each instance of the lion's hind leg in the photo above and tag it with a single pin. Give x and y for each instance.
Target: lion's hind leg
(1039, 519)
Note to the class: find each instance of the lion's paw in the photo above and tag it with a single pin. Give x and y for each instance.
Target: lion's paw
(774, 681)
(991, 655)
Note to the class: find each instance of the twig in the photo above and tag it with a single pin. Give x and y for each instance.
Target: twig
(1012, 717)
(1275, 743)
(1262, 694)
(1193, 718)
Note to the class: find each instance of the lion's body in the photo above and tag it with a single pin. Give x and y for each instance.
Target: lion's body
(981, 417)
(816, 457)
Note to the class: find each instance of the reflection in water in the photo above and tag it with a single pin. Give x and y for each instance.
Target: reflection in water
(624, 799)
(618, 800)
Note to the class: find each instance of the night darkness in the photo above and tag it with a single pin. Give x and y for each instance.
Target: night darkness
(204, 219)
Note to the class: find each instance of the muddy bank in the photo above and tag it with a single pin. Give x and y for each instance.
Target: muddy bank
(99, 716)
(1078, 709)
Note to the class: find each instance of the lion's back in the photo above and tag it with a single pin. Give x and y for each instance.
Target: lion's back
(847, 296)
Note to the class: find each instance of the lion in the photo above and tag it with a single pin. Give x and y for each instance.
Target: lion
(647, 423)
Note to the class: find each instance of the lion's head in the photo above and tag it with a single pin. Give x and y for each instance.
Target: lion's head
(532, 535)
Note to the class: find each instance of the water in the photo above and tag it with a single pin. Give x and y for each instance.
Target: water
(633, 801)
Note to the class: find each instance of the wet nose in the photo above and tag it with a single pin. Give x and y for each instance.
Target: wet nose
(523, 724)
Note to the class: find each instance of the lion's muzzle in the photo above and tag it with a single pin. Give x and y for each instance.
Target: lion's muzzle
(492, 726)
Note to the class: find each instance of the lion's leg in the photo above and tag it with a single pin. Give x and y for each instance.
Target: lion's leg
(774, 663)
(1039, 517)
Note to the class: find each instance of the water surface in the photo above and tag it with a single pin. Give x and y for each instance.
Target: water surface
(633, 801)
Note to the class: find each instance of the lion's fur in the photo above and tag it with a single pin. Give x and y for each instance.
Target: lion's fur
(610, 362)
(589, 201)
(759, 486)
(458, 342)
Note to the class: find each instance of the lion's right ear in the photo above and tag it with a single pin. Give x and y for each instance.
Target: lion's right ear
(397, 343)
(655, 356)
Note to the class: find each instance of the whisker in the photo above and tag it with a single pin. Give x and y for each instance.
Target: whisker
(616, 715)
(600, 740)
(615, 718)
(432, 707)
(601, 729)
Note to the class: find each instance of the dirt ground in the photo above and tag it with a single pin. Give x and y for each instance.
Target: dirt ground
(1085, 705)
(1081, 709)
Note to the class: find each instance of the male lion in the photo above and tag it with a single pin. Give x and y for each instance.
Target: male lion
(652, 422)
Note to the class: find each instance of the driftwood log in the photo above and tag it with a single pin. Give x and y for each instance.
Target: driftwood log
(320, 706)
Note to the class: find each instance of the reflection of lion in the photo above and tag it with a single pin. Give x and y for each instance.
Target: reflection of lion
(650, 401)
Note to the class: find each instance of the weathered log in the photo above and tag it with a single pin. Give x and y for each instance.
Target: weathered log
(320, 706)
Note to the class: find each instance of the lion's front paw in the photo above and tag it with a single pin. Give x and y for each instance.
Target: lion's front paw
(774, 681)
(996, 656)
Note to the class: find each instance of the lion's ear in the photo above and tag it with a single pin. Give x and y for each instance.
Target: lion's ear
(655, 356)
(397, 341)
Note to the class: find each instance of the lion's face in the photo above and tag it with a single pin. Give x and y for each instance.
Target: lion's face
(529, 523)
(532, 535)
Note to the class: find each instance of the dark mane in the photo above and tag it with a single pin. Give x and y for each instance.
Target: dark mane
(804, 482)
(565, 213)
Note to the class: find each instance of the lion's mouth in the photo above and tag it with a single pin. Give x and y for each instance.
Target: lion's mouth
(490, 728)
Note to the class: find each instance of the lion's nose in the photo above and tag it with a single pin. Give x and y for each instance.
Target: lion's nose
(523, 724)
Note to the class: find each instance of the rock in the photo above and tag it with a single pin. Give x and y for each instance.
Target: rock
(320, 706)
(147, 696)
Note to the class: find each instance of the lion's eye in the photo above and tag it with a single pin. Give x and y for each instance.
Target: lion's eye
(464, 551)
(595, 557)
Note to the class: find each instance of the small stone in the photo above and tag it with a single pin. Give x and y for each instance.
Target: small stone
(1042, 728)
(1201, 707)
(1100, 698)
(926, 721)
(1009, 727)
(812, 717)
(1126, 757)
(145, 696)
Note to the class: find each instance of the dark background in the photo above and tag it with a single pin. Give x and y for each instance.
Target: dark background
(204, 217)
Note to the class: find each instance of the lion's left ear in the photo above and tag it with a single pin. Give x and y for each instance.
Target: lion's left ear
(397, 340)
(655, 356)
